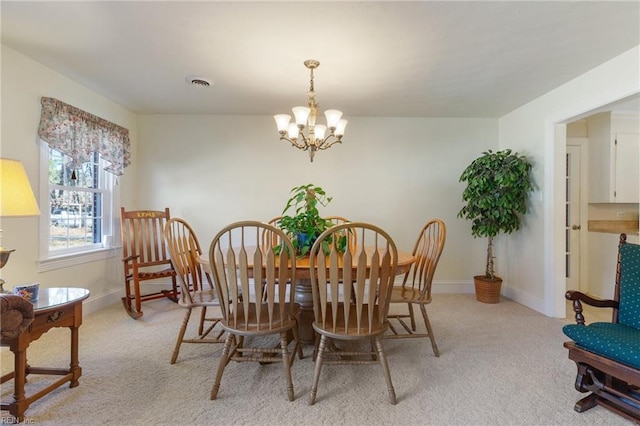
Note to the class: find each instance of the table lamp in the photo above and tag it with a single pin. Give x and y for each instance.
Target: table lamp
(16, 199)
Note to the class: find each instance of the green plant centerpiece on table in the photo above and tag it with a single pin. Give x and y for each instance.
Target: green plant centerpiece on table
(306, 225)
(498, 184)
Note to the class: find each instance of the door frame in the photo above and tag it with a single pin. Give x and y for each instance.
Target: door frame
(554, 176)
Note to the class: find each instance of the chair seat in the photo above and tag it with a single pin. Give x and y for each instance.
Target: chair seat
(169, 272)
(407, 294)
(350, 330)
(254, 325)
(616, 341)
(200, 298)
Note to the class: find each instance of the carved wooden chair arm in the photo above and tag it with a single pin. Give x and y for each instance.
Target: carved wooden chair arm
(579, 297)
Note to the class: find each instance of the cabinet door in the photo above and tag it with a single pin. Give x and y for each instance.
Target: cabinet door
(627, 175)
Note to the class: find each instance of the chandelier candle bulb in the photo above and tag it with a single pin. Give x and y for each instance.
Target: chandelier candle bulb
(316, 138)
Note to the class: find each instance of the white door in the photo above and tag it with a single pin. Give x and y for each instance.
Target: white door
(573, 224)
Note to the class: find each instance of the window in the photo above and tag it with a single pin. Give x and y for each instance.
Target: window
(80, 201)
(81, 155)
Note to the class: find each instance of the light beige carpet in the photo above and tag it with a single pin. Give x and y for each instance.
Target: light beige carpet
(500, 364)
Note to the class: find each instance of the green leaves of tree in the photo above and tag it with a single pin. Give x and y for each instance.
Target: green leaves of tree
(498, 184)
(496, 194)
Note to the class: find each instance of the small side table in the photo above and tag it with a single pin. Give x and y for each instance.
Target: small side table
(56, 307)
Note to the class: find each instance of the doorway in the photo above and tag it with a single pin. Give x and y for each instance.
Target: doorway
(557, 280)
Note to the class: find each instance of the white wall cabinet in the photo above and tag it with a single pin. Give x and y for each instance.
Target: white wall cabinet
(627, 175)
(614, 158)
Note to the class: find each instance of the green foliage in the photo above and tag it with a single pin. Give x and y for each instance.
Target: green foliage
(498, 184)
(306, 225)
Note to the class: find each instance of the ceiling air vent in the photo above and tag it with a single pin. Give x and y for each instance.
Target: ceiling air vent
(197, 80)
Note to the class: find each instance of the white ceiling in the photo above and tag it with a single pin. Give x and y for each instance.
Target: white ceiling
(409, 59)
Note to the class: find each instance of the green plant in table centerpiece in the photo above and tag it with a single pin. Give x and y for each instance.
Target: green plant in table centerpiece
(306, 225)
(498, 184)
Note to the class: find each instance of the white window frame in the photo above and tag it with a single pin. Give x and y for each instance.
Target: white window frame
(71, 257)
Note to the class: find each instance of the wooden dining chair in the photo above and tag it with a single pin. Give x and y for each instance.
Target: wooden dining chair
(196, 287)
(145, 257)
(243, 268)
(274, 221)
(337, 220)
(349, 232)
(417, 282)
(351, 291)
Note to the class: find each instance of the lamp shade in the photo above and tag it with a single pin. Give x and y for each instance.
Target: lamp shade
(282, 121)
(16, 195)
(301, 113)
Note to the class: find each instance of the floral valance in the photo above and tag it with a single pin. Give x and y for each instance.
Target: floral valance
(78, 134)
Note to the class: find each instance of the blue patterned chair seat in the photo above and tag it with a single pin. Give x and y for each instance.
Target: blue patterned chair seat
(616, 341)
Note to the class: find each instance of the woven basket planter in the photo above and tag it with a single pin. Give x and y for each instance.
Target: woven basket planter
(487, 290)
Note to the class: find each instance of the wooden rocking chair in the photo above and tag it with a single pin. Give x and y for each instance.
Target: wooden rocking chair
(145, 257)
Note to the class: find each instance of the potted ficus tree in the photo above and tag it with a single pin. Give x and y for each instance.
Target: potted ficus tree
(306, 224)
(498, 184)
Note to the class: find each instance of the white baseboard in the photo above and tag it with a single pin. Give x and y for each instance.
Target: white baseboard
(447, 287)
(452, 287)
(101, 301)
(115, 295)
(468, 287)
(97, 302)
(527, 300)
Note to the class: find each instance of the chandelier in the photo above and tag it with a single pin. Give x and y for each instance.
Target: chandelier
(317, 138)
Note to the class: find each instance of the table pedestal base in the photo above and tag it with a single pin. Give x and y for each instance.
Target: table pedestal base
(304, 297)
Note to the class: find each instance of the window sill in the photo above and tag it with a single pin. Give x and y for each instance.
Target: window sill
(75, 259)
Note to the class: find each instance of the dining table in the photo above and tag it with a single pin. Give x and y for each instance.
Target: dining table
(303, 292)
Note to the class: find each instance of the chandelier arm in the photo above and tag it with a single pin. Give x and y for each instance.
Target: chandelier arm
(324, 145)
(305, 139)
(303, 147)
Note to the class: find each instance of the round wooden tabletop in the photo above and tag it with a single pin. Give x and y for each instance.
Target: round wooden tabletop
(405, 260)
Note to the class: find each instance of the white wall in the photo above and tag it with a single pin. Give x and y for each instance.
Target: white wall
(215, 169)
(535, 254)
(394, 172)
(24, 82)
